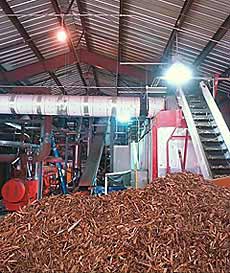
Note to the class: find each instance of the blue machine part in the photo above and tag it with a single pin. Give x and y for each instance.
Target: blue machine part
(59, 167)
(100, 190)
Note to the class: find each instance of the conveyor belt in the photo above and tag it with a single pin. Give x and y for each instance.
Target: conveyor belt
(94, 157)
(209, 135)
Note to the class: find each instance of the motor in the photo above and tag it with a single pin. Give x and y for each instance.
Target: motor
(17, 193)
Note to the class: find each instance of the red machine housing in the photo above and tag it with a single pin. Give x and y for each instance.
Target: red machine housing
(167, 118)
(17, 193)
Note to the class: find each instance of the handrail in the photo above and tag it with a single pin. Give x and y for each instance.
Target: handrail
(223, 128)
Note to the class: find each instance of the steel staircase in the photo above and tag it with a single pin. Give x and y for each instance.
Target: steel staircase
(211, 136)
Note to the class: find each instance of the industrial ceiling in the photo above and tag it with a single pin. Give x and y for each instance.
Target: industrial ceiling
(107, 40)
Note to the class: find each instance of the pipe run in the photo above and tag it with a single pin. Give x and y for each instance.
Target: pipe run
(94, 106)
(15, 144)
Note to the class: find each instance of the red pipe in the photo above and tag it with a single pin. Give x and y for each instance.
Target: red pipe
(172, 137)
(185, 150)
(216, 81)
(167, 151)
(154, 153)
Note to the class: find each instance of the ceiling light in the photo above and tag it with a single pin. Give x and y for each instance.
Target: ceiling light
(178, 74)
(123, 117)
(61, 35)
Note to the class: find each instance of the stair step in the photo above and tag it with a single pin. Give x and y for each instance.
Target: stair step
(191, 101)
(198, 107)
(193, 95)
(220, 173)
(203, 118)
(215, 149)
(200, 111)
(206, 125)
(216, 157)
(208, 132)
(220, 167)
(219, 176)
(212, 140)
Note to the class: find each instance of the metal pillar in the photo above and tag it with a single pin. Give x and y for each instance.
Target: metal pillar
(39, 175)
(66, 155)
(154, 153)
(111, 143)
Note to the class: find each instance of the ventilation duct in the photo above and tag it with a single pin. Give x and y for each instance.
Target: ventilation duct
(94, 106)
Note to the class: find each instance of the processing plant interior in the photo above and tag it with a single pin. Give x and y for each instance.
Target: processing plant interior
(113, 113)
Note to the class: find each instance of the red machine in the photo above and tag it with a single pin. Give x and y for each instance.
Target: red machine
(17, 193)
(50, 179)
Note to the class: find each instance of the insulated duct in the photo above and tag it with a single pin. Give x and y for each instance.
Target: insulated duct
(94, 106)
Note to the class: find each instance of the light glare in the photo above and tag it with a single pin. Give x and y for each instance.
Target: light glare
(178, 74)
(61, 35)
(123, 117)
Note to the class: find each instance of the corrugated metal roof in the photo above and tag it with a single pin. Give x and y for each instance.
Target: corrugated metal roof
(145, 28)
(202, 21)
(219, 59)
(102, 30)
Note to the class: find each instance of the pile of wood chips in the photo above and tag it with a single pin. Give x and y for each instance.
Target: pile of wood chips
(179, 223)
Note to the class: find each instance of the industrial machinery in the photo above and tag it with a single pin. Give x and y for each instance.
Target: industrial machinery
(69, 157)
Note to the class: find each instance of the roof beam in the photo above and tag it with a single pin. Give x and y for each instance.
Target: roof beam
(226, 72)
(82, 10)
(70, 42)
(119, 50)
(31, 91)
(179, 22)
(213, 42)
(20, 28)
(54, 63)
(69, 7)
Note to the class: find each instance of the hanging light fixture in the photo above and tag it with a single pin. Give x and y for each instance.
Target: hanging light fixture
(61, 33)
(178, 73)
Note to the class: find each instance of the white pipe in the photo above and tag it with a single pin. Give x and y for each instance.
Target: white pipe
(106, 184)
(94, 106)
(100, 106)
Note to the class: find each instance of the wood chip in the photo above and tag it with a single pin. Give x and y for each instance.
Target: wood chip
(180, 223)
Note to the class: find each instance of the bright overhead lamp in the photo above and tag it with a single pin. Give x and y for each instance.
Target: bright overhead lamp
(178, 74)
(61, 35)
(123, 117)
